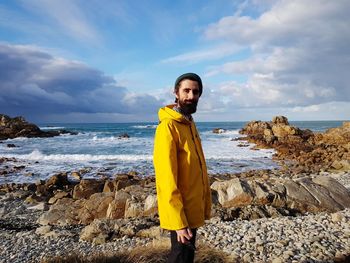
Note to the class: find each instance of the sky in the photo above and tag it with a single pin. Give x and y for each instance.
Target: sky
(117, 61)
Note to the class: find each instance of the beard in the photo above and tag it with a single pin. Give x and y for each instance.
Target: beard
(188, 107)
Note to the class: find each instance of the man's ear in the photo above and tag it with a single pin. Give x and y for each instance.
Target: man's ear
(176, 94)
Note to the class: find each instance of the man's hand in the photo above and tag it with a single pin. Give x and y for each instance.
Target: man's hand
(184, 235)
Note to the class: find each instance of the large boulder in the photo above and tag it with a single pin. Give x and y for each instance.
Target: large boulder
(336, 190)
(95, 207)
(233, 193)
(116, 208)
(301, 195)
(87, 187)
(64, 212)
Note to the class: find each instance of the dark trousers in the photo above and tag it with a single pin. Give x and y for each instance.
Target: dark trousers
(182, 253)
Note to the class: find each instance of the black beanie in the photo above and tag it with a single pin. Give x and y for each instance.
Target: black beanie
(190, 76)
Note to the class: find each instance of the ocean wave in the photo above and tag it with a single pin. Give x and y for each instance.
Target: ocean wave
(150, 126)
(223, 132)
(51, 128)
(113, 139)
(37, 155)
(246, 157)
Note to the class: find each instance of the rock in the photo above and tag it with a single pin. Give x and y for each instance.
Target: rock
(262, 195)
(299, 198)
(116, 209)
(63, 212)
(102, 230)
(280, 120)
(110, 186)
(152, 232)
(343, 165)
(337, 217)
(255, 128)
(336, 190)
(123, 136)
(281, 131)
(58, 180)
(321, 194)
(58, 195)
(311, 152)
(98, 232)
(151, 205)
(233, 193)
(43, 230)
(133, 208)
(18, 127)
(11, 145)
(40, 207)
(219, 130)
(87, 187)
(95, 207)
(243, 144)
(76, 175)
(33, 199)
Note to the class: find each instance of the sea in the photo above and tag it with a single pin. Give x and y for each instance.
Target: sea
(100, 150)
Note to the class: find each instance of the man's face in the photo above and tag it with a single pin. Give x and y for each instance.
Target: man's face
(188, 96)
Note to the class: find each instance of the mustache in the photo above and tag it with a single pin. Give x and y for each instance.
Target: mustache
(191, 101)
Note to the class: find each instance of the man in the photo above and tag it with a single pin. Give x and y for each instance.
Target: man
(184, 197)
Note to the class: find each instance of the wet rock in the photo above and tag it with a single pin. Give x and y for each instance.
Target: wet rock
(124, 136)
(219, 130)
(76, 175)
(57, 181)
(11, 145)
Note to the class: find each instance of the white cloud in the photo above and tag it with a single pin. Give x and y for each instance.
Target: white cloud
(202, 55)
(299, 56)
(68, 15)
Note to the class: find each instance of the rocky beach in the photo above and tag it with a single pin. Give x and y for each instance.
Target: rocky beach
(299, 212)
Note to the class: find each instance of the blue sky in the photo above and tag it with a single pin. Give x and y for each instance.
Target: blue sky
(116, 61)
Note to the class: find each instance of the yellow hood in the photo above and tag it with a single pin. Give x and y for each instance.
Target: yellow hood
(167, 112)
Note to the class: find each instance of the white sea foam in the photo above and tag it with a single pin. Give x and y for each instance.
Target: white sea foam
(150, 126)
(51, 128)
(37, 155)
(105, 139)
(222, 133)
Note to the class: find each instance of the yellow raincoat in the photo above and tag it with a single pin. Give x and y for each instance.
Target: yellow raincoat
(184, 197)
